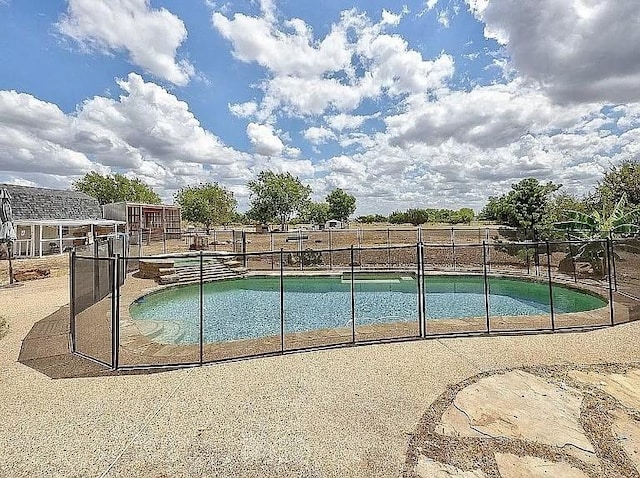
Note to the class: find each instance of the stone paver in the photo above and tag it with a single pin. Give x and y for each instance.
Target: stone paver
(518, 405)
(623, 387)
(627, 433)
(427, 468)
(512, 466)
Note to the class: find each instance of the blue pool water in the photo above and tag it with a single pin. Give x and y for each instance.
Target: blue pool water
(250, 307)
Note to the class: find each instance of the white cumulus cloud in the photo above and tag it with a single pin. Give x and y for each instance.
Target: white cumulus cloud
(151, 37)
(264, 140)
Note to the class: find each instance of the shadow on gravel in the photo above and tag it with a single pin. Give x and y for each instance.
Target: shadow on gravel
(46, 350)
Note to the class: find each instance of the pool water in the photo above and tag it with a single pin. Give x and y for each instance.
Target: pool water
(250, 307)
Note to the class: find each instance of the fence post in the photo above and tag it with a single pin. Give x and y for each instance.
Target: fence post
(573, 260)
(72, 298)
(330, 252)
(611, 311)
(353, 302)
(271, 249)
(201, 307)
(613, 263)
(422, 292)
(553, 323)
(282, 300)
(115, 313)
(419, 290)
(96, 273)
(453, 250)
(486, 284)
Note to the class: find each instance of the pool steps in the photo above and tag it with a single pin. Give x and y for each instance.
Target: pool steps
(211, 271)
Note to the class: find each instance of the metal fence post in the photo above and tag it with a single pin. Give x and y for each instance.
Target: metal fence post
(353, 302)
(553, 323)
(330, 252)
(486, 284)
(72, 299)
(610, 248)
(282, 299)
(115, 312)
(613, 263)
(201, 307)
(419, 289)
(422, 292)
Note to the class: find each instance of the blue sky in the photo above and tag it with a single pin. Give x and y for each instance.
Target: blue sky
(431, 103)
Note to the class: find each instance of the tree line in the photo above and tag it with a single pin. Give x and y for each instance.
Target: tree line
(533, 208)
(275, 197)
(544, 211)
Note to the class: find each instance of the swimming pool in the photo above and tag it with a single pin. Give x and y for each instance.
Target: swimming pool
(250, 307)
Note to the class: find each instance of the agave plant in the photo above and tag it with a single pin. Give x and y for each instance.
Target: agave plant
(593, 228)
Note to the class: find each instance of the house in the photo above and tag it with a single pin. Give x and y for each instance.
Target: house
(146, 222)
(52, 221)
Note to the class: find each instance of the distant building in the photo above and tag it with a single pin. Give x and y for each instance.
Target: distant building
(145, 222)
(52, 221)
(333, 224)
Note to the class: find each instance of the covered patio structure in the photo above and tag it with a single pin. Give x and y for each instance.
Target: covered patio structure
(44, 237)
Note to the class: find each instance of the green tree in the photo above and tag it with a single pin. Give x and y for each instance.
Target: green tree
(341, 204)
(371, 218)
(207, 204)
(277, 197)
(525, 207)
(316, 213)
(115, 188)
(620, 180)
(463, 216)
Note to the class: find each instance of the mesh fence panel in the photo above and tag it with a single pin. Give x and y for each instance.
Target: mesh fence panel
(385, 302)
(376, 237)
(627, 266)
(92, 307)
(468, 236)
(508, 258)
(467, 258)
(317, 312)
(242, 316)
(436, 236)
(438, 258)
(454, 304)
(163, 327)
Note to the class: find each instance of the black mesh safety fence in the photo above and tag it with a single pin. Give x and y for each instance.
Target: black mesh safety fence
(92, 306)
(207, 306)
(386, 294)
(626, 262)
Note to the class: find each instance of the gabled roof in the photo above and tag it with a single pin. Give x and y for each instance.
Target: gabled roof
(30, 203)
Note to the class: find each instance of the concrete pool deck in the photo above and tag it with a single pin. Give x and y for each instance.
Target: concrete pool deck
(355, 412)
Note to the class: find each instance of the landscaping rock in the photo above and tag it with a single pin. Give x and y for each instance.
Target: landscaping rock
(627, 433)
(512, 466)
(427, 468)
(623, 387)
(519, 405)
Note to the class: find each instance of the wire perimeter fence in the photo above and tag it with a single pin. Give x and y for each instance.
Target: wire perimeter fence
(139, 312)
(243, 241)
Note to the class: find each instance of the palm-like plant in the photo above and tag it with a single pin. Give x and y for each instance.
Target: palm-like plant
(595, 227)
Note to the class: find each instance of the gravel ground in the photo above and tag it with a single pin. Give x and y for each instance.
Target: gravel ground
(347, 412)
